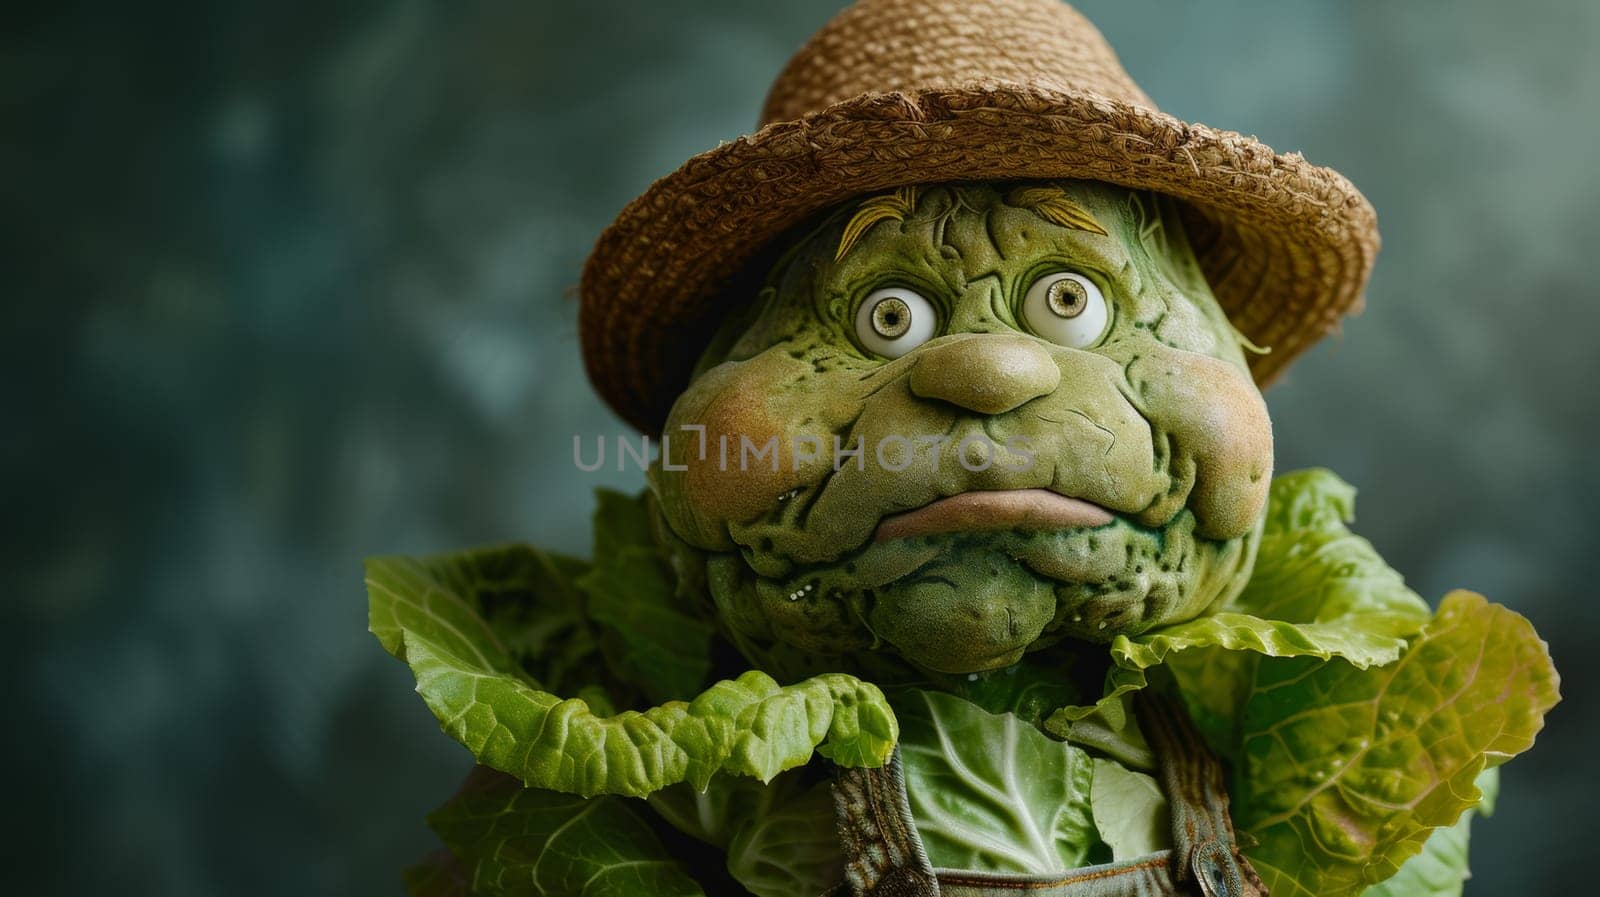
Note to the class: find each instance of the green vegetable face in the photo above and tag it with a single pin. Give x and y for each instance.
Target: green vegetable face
(962, 422)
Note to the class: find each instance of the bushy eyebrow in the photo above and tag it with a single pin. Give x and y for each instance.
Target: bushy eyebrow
(887, 207)
(1055, 206)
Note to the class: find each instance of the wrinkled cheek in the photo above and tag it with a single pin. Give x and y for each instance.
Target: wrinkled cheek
(1220, 430)
(744, 465)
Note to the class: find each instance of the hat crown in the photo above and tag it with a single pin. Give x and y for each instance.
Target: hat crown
(883, 46)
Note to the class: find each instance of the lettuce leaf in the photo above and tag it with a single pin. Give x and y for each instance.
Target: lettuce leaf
(566, 623)
(780, 838)
(1311, 569)
(438, 875)
(1344, 773)
(494, 635)
(745, 726)
(511, 606)
(511, 840)
(1354, 723)
(792, 849)
(632, 593)
(1130, 811)
(1317, 591)
(991, 792)
(1440, 869)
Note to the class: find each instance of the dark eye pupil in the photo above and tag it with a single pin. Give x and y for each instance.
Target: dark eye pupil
(891, 318)
(1067, 297)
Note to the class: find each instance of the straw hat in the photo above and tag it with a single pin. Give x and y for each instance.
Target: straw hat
(896, 92)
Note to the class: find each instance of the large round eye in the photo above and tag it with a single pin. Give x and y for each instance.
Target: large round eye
(1066, 308)
(893, 321)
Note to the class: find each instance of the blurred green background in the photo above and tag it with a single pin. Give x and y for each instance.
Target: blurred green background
(289, 284)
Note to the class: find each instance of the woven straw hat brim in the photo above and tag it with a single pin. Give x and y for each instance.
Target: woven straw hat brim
(1286, 246)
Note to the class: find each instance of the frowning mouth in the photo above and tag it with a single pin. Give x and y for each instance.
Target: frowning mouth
(1010, 509)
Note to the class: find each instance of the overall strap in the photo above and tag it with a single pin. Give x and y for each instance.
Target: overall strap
(883, 853)
(884, 856)
(1204, 848)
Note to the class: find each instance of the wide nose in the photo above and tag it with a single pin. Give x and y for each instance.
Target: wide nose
(989, 373)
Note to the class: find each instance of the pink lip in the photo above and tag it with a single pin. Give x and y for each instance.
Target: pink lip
(1028, 509)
